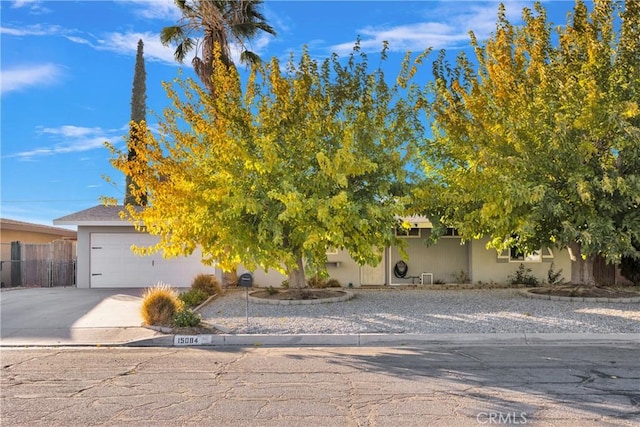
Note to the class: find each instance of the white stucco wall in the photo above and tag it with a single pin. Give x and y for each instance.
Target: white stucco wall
(486, 267)
(340, 266)
(444, 260)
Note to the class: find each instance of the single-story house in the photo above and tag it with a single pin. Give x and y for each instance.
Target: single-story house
(105, 259)
(28, 232)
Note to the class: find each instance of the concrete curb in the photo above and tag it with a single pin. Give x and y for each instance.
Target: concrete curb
(529, 294)
(372, 340)
(358, 340)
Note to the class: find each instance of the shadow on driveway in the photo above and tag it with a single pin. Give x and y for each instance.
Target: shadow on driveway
(50, 316)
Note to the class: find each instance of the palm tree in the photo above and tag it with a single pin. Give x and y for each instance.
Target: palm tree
(207, 22)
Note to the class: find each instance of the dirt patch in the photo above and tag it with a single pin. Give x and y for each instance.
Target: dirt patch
(586, 292)
(294, 295)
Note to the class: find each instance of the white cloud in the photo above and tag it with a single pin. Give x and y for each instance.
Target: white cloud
(127, 44)
(258, 46)
(155, 9)
(33, 30)
(447, 28)
(154, 50)
(75, 139)
(70, 131)
(35, 6)
(70, 139)
(18, 78)
(78, 40)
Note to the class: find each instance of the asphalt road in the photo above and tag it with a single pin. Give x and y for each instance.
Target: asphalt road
(540, 385)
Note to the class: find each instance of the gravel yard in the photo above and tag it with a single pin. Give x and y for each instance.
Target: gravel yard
(424, 312)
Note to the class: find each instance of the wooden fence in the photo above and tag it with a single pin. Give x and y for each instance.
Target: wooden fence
(39, 264)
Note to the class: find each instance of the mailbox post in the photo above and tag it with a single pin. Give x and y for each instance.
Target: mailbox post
(246, 281)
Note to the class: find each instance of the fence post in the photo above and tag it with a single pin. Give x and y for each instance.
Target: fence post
(16, 264)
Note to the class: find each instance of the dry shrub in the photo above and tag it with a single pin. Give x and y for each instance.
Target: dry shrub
(333, 283)
(207, 283)
(159, 304)
(316, 282)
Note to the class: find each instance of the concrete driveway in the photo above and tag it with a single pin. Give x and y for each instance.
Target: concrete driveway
(68, 316)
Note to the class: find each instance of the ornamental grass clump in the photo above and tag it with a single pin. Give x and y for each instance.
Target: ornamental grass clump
(207, 283)
(159, 305)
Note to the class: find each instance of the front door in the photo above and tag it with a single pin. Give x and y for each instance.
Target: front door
(372, 276)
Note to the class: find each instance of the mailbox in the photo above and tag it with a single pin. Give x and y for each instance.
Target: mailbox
(245, 280)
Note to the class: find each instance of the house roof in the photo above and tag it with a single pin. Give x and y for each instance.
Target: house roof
(12, 224)
(418, 221)
(110, 216)
(97, 215)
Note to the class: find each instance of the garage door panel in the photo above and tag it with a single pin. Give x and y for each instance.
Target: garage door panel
(113, 263)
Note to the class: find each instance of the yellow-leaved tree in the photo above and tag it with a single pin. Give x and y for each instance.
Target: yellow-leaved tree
(271, 172)
(537, 142)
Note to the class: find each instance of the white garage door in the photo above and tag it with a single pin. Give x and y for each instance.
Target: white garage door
(114, 265)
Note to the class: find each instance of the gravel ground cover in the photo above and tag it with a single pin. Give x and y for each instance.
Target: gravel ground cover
(424, 312)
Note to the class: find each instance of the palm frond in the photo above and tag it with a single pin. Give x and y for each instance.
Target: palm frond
(171, 34)
(182, 49)
(248, 57)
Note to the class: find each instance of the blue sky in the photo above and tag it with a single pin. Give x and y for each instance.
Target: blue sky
(67, 72)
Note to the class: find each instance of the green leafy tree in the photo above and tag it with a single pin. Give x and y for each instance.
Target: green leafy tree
(537, 142)
(205, 23)
(138, 115)
(272, 173)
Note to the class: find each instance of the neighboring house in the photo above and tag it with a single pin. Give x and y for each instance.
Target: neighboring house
(105, 258)
(30, 242)
(32, 233)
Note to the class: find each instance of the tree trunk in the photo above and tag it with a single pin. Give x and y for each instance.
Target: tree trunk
(230, 278)
(297, 279)
(581, 268)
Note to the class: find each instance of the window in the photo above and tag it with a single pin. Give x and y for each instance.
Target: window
(516, 255)
(408, 233)
(451, 232)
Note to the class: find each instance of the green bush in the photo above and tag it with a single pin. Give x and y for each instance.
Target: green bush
(186, 318)
(207, 283)
(271, 290)
(193, 297)
(523, 276)
(159, 304)
(285, 284)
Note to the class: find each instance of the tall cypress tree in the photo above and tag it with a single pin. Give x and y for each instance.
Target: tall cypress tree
(138, 117)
